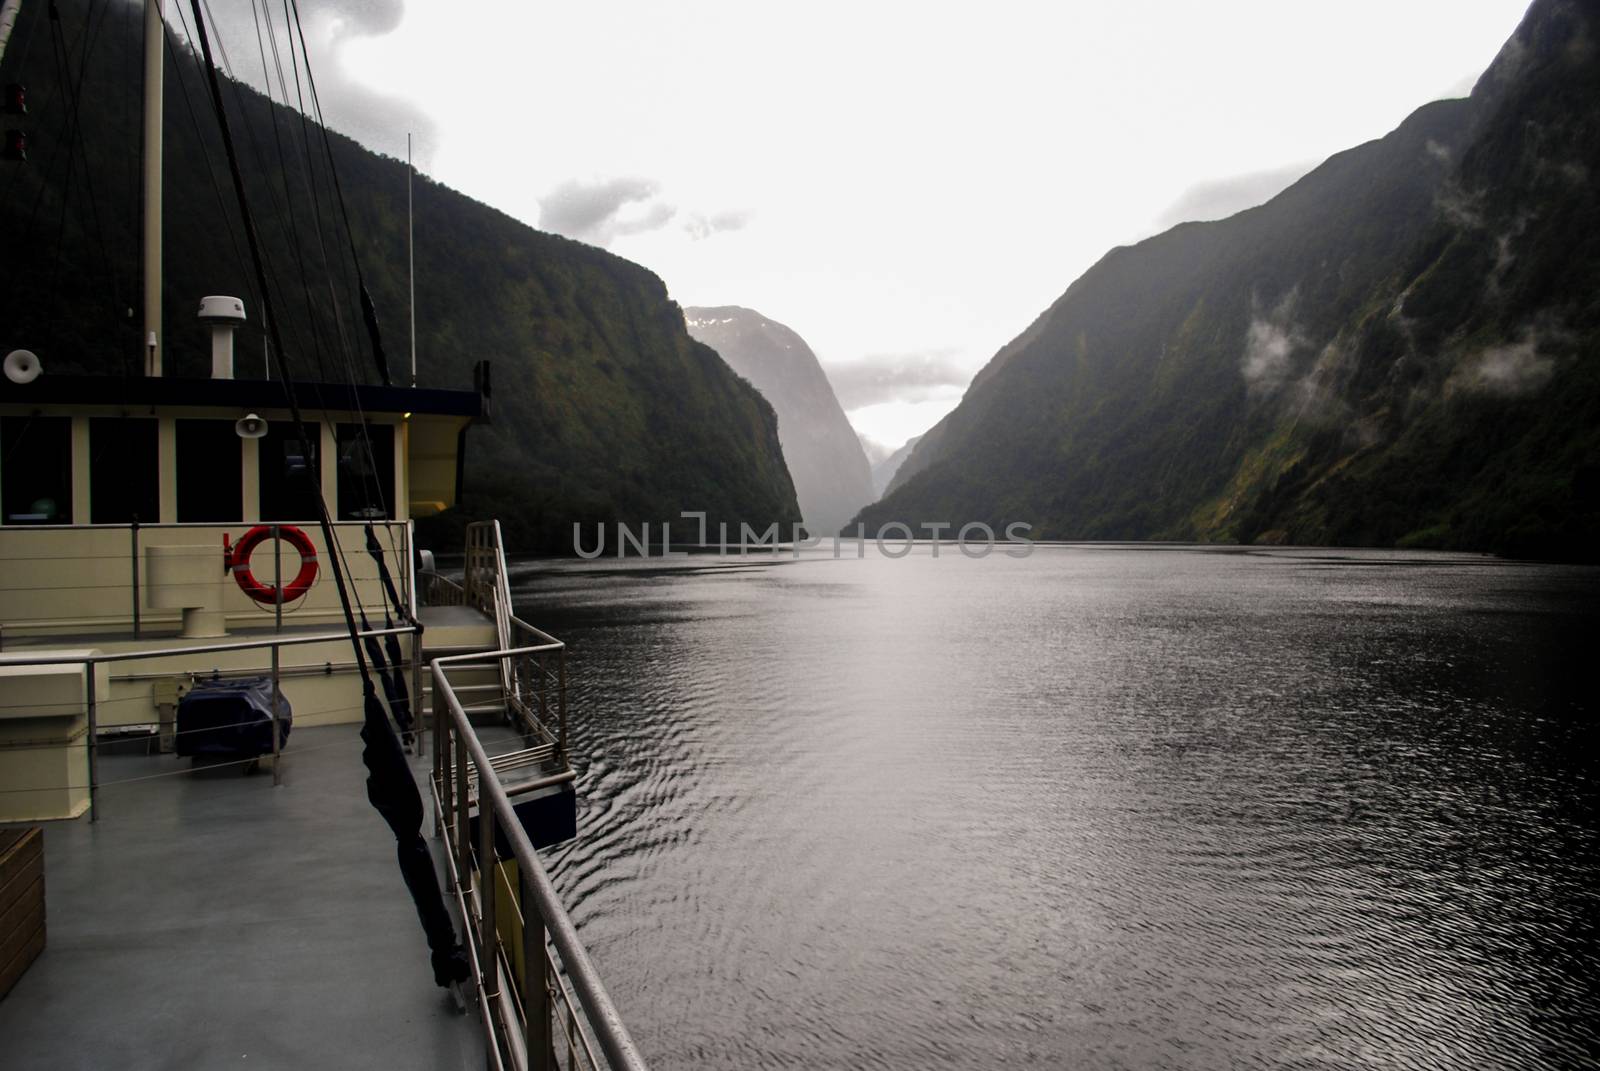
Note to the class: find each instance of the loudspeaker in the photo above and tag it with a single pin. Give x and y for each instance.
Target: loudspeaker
(250, 426)
(22, 366)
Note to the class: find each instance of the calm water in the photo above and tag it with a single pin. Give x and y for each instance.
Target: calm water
(1100, 807)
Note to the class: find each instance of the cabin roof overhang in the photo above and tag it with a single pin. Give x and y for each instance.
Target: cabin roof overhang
(165, 393)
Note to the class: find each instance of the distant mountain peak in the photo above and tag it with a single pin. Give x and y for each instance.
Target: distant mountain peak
(832, 477)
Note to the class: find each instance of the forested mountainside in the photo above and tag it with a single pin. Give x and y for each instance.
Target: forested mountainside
(831, 474)
(604, 408)
(1400, 349)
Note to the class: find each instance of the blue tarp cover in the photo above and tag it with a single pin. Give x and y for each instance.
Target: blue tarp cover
(230, 717)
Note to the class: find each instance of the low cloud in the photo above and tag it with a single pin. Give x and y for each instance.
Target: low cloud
(1459, 206)
(1269, 343)
(599, 212)
(1220, 198)
(897, 377)
(699, 225)
(366, 17)
(1509, 371)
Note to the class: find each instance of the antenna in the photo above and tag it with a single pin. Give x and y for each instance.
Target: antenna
(22, 366)
(411, 257)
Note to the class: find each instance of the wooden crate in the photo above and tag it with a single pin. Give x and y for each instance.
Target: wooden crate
(21, 902)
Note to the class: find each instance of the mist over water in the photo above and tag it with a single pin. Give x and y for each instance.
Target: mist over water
(1099, 807)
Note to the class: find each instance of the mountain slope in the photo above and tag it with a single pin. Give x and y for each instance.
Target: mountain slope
(884, 472)
(831, 474)
(1400, 348)
(604, 407)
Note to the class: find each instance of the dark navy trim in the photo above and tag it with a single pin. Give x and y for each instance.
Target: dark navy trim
(139, 392)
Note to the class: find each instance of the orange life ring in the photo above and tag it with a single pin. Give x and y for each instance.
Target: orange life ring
(239, 564)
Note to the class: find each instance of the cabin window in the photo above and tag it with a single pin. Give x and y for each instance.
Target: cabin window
(366, 472)
(209, 472)
(124, 470)
(36, 470)
(290, 479)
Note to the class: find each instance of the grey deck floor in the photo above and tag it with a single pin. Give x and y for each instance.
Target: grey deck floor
(213, 920)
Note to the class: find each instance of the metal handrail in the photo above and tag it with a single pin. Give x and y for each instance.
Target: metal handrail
(277, 640)
(182, 524)
(93, 658)
(497, 815)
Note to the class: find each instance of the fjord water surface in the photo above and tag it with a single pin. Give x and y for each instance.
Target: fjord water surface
(1099, 807)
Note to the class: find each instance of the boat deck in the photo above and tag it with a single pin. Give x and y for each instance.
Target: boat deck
(211, 919)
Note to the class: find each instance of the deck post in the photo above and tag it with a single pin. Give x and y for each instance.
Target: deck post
(463, 819)
(133, 540)
(488, 960)
(277, 582)
(90, 697)
(561, 698)
(418, 734)
(535, 985)
(441, 765)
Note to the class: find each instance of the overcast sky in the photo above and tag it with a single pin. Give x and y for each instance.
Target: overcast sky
(907, 185)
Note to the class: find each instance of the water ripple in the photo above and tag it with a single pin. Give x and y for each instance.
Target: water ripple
(1101, 807)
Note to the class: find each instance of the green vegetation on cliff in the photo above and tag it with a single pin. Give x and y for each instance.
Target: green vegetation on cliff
(1400, 349)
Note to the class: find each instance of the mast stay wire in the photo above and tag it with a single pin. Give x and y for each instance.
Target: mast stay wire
(370, 487)
(283, 169)
(205, 153)
(256, 152)
(369, 311)
(73, 86)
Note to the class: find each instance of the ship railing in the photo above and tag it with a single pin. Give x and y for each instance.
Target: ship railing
(93, 701)
(89, 579)
(487, 585)
(540, 1000)
(443, 591)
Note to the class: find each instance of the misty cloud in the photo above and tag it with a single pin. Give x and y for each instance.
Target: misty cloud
(1460, 207)
(1314, 398)
(1508, 371)
(700, 226)
(598, 212)
(897, 377)
(1220, 198)
(369, 18)
(1269, 342)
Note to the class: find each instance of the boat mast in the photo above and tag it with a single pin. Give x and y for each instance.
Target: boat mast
(8, 20)
(411, 257)
(155, 36)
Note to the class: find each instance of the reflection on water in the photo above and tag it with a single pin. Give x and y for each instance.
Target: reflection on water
(1099, 807)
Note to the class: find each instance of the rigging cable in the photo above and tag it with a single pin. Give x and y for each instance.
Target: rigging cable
(259, 157)
(344, 349)
(75, 151)
(205, 151)
(283, 170)
(346, 353)
(369, 311)
(390, 786)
